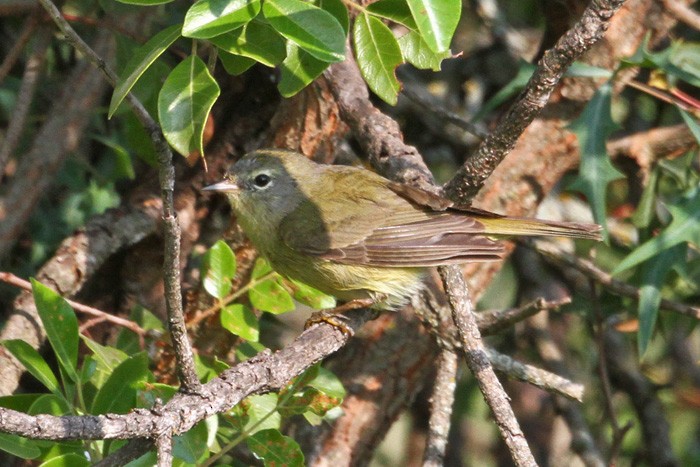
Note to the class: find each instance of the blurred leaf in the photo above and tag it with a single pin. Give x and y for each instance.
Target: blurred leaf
(106, 359)
(34, 363)
(256, 40)
(592, 128)
(298, 69)
(118, 393)
(218, 268)
(241, 321)
(141, 60)
(51, 405)
(235, 64)
(269, 295)
(67, 460)
(584, 70)
(311, 28)
(209, 18)
(192, 445)
(666, 60)
(685, 227)
(61, 327)
(328, 383)
(436, 20)
(184, 102)
(123, 167)
(394, 10)
(416, 52)
(653, 276)
(19, 402)
(145, 2)
(517, 84)
(644, 213)
(311, 297)
(275, 449)
(248, 350)
(18, 446)
(692, 124)
(378, 54)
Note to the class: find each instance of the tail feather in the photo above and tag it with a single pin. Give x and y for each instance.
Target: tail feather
(536, 227)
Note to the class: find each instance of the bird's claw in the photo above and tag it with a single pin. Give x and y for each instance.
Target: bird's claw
(331, 317)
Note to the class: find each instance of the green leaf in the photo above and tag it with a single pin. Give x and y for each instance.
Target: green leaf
(248, 350)
(311, 28)
(209, 18)
(338, 10)
(685, 227)
(592, 129)
(692, 124)
(218, 268)
(184, 102)
(416, 52)
(517, 84)
(309, 296)
(61, 327)
(256, 40)
(142, 59)
(118, 393)
(644, 213)
(34, 363)
(262, 413)
(298, 69)
(653, 276)
(19, 447)
(49, 404)
(269, 295)
(678, 61)
(241, 321)
(584, 70)
(123, 168)
(378, 54)
(106, 359)
(394, 10)
(192, 445)
(67, 460)
(436, 20)
(235, 64)
(145, 2)
(275, 449)
(328, 383)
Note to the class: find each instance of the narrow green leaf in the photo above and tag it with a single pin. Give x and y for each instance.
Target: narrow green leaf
(235, 64)
(644, 213)
(685, 227)
(436, 20)
(653, 277)
(517, 84)
(275, 449)
(378, 54)
(34, 363)
(218, 268)
(692, 123)
(394, 10)
(256, 40)
(184, 103)
(61, 327)
(269, 295)
(105, 360)
(311, 28)
(142, 59)
(241, 321)
(592, 129)
(67, 460)
(298, 69)
(416, 52)
(309, 296)
(50, 404)
(18, 446)
(118, 393)
(209, 18)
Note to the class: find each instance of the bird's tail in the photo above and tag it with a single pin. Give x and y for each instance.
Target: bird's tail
(536, 227)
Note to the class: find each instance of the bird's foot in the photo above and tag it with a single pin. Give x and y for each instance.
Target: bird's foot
(335, 318)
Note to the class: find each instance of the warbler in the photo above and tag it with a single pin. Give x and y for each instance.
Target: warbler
(356, 235)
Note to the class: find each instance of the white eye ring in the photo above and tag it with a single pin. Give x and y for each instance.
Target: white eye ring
(262, 180)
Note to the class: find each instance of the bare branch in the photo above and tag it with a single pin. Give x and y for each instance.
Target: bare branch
(441, 401)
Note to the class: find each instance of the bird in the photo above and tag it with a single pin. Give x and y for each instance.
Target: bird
(358, 236)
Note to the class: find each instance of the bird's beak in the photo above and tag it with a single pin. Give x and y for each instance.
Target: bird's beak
(226, 186)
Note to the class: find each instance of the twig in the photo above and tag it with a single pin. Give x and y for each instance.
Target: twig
(15, 52)
(586, 32)
(559, 258)
(684, 13)
(11, 279)
(492, 322)
(164, 450)
(166, 173)
(478, 362)
(441, 401)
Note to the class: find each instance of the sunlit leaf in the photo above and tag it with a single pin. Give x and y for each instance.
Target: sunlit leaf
(241, 321)
(209, 18)
(269, 295)
(235, 64)
(436, 20)
(256, 40)
(20, 447)
(416, 52)
(275, 449)
(394, 10)
(298, 69)
(184, 102)
(309, 296)
(378, 54)
(118, 393)
(34, 363)
(218, 268)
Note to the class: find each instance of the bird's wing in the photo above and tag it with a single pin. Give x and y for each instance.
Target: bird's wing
(405, 228)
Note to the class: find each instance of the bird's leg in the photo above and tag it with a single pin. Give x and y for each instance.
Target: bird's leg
(334, 317)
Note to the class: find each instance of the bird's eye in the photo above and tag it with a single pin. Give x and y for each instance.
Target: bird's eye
(262, 180)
